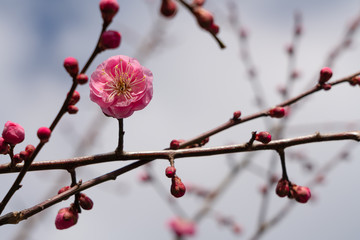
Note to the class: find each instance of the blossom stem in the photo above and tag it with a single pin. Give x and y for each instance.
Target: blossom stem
(120, 147)
(283, 165)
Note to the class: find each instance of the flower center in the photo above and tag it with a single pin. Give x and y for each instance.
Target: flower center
(123, 83)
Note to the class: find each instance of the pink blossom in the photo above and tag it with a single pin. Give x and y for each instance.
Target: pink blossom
(120, 86)
(182, 226)
(13, 133)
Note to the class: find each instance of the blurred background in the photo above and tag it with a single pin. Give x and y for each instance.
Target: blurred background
(197, 86)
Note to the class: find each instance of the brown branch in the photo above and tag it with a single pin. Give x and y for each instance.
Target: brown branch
(191, 9)
(15, 217)
(183, 153)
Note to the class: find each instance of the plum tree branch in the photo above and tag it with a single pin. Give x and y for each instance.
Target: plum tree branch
(147, 156)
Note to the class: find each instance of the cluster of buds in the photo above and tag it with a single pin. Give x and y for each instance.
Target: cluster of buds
(263, 137)
(24, 155)
(177, 188)
(72, 109)
(71, 65)
(13, 134)
(68, 217)
(205, 19)
(182, 227)
(355, 81)
(84, 201)
(325, 75)
(284, 188)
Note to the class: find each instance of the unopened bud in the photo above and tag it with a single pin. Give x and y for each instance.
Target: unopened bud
(277, 112)
(177, 189)
(66, 217)
(326, 86)
(24, 155)
(74, 98)
(198, 2)
(71, 65)
(325, 74)
(72, 109)
(170, 171)
(204, 17)
(4, 147)
(30, 149)
(82, 78)
(63, 189)
(174, 144)
(85, 202)
(301, 194)
(13, 133)
(168, 8)
(263, 137)
(108, 9)
(43, 134)
(282, 188)
(110, 40)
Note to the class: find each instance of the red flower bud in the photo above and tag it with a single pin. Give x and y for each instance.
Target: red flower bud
(174, 144)
(198, 2)
(301, 194)
(277, 112)
(85, 202)
(13, 133)
(170, 171)
(325, 75)
(43, 134)
(63, 189)
(24, 155)
(177, 189)
(108, 9)
(326, 86)
(74, 98)
(214, 28)
(17, 159)
(4, 147)
(82, 78)
(110, 40)
(71, 65)
(72, 109)
(168, 8)
(282, 188)
(30, 149)
(66, 217)
(236, 115)
(263, 137)
(204, 17)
